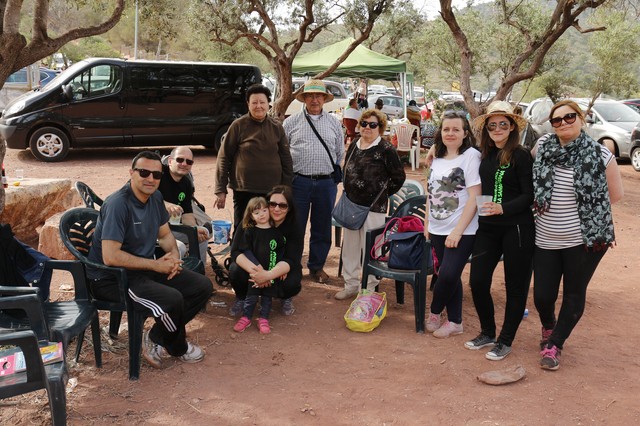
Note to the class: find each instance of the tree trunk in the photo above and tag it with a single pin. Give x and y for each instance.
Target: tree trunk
(3, 149)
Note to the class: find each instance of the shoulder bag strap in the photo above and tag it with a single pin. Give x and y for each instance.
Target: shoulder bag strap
(319, 137)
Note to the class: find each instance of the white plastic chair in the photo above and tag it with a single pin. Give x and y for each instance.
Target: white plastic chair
(404, 133)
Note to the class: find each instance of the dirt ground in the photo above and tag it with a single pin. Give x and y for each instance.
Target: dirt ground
(312, 370)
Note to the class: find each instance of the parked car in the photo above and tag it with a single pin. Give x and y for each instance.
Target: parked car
(104, 102)
(393, 106)
(609, 122)
(377, 88)
(633, 103)
(635, 148)
(340, 100)
(46, 75)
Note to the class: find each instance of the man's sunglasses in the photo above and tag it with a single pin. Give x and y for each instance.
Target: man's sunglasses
(283, 206)
(504, 125)
(144, 173)
(371, 124)
(181, 160)
(568, 118)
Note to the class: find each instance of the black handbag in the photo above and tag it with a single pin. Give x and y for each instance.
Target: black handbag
(349, 214)
(337, 170)
(406, 250)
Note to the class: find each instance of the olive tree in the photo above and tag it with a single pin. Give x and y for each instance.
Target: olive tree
(279, 29)
(528, 28)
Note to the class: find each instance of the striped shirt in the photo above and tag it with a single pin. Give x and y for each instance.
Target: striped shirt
(308, 155)
(559, 227)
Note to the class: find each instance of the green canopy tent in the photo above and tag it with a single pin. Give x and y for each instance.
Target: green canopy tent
(362, 62)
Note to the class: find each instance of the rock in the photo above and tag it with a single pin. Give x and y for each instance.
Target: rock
(503, 377)
(28, 206)
(50, 243)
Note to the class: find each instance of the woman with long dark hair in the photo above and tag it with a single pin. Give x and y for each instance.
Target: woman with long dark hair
(505, 227)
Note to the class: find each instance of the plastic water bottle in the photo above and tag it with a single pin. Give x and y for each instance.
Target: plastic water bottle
(526, 314)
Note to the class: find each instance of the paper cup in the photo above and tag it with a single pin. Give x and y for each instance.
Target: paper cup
(20, 174)
(175, 219)
(480, 200)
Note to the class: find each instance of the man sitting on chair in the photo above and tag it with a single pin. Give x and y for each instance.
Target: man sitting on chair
(131, 220)
(177, 190)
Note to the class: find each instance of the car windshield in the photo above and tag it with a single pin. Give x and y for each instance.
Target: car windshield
(617, 112)
(55, 83)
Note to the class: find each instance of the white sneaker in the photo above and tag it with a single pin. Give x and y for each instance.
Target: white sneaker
(193, 354)
(433, 322)
(448, 329)
(152, 352)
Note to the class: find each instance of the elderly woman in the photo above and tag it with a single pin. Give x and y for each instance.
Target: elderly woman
(372, 172)
(576, 180)
(505, 227)
(283, 215)
(254, 156)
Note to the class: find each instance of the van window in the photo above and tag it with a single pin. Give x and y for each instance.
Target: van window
(335, 91)
(96, 81)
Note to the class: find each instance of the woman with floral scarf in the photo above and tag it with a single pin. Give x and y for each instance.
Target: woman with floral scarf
(576, 180)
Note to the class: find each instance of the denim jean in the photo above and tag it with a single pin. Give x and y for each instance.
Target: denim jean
(315, 196)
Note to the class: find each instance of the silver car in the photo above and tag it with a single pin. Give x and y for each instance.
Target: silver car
(392, 105)
(609, 122)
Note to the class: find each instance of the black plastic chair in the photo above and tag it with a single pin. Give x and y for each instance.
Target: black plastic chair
(52, 377)
(76, 230)
(417, 278)
(89, 197)
(93, 201)
(65, 319)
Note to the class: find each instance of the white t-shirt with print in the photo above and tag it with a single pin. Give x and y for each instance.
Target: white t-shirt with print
(448, 181)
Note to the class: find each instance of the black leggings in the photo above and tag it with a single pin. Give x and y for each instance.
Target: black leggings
(447, 291)
(516, 243)
(289, 287)
(575, 266)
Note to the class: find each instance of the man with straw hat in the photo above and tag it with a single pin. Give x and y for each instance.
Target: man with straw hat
(316, 142)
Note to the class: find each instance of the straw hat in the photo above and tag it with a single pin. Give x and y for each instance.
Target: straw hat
(315, 86)
(500, 108)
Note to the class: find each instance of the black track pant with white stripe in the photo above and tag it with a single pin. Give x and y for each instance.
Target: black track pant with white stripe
(173, 303)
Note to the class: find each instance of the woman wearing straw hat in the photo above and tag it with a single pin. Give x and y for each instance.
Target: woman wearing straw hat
(505, 226)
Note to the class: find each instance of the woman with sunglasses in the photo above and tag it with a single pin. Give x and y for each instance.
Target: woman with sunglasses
(453, 184)
(372, 172)
(289, 269)
(575, 181)
(505, 227)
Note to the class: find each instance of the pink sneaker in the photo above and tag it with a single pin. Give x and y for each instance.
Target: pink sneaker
(433, 323)
(263, 326)
(242, 324)
(448, 329)
(546, 333)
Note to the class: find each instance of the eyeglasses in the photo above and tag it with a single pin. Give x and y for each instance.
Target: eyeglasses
(504, 125)
(181, 160)
(371, 124)
(283, 206)
(568, 118)
(144, 173)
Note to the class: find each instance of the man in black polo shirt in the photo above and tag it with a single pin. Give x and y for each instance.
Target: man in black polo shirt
(131, 220)
(177, 190)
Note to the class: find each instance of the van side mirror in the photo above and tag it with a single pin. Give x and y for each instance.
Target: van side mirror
(67, 92)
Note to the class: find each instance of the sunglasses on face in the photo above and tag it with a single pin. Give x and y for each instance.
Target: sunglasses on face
(144, 173)
(371, 124)
(568, 118)
(503, 125)
(283, 206)
(181, 160)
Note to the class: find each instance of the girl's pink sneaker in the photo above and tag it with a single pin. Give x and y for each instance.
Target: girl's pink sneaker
(242, 324)
(263, 326)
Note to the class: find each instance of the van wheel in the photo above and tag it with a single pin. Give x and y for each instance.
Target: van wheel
(217, 143)
(611, 146)
(635, 158)
(49, 144)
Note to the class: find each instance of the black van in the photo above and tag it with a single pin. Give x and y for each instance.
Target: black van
(117, 103)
